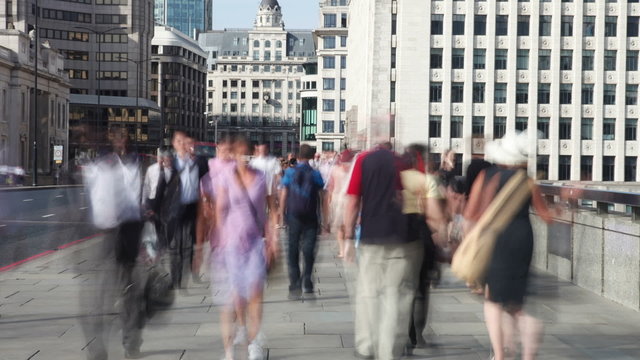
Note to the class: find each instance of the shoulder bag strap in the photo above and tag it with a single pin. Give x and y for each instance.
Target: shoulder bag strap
(252, 208)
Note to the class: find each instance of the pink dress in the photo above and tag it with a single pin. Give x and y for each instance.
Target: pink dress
(238, 261)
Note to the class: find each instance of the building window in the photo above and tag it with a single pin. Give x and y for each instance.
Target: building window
(609, 129)
(112, 75)
(343, 105)
(522, 61)
(543, 128)
(329, 20)
(544, 59)
(542, 167)
(499, 126)
(587, 94)
(436, 58)
(329, 42)
(329, 62)
(478, 92)
(523, 25)
(392, 91)
(457, 58)
(565, 93)
(633, 25)
(479, 58)
(458, 24)
(393, 57)
(501, 59)
(341, 126)
(609, 94)
(631, 97)
(500, 93)
(566, 59)
(610, 60)
(608, 168)
(343, 20)
(77, 74)
(477, 126)
(343, 61)
(611, 26)
(589, 26)
(111, 19)
(564, 167)
(435, 126)
(586, 129)
(435, 92)
(630, 168)
(545, 25)
(522, 93)
(587, 60)
(566, 27)
(327, 146)
(521, 123)
(66, 15)
(631, 129)
(437, 24)
(565, 128)
(267, 44)
(502, 25)
(457, 92)
(267, 55)
(456, 127)
(327, 126)
(544, 93)
(328, 105)
(343, 41)
(480, 25)
(586, 168)
(343, 84)
(632, 60)
(328, 84)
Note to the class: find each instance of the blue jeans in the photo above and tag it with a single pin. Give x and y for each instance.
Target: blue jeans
(302, 234)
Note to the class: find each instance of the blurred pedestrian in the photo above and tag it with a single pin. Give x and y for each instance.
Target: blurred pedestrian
(245, 243)
(508, 271)
(114, 185)
(388, 261)
(155, 183)
(336, 193)
(422, 205)
(180, 204)
(270, 166)
(301, 187)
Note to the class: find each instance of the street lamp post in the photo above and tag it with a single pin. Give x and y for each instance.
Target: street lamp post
(34, 177)
(99, 34)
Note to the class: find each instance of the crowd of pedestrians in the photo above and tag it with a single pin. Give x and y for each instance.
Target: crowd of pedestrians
(395, 217)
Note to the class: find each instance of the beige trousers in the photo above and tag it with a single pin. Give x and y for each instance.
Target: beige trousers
(386, 285)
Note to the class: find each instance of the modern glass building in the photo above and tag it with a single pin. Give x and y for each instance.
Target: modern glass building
(188, 16)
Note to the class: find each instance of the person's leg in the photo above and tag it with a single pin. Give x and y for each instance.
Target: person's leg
(509, 329)
(293, 255)
(309, 239)
(340, 238)
(132, 314)
(493, 318)
(368, 287)
(227, 317)
(401, 266)
(530, 333)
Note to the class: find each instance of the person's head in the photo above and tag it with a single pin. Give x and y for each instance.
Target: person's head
(241, 149)
(306, 152)
(223, 149)
(164, 157)
(119, 140)
(262, 150)
(416, 157)
(290, 156)
(178, 142)
(346, 157)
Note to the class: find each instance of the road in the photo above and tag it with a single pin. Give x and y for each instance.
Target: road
(36, 221)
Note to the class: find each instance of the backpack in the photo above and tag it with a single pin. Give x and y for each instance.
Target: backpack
(302, 197)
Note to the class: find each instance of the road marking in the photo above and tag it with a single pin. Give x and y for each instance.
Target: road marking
(59, 196)
(84, 208)
(48, 215)
(25, 200)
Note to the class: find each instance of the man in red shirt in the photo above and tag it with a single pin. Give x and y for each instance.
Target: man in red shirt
(387, 261)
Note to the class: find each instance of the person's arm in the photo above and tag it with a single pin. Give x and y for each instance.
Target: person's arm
(473, 209)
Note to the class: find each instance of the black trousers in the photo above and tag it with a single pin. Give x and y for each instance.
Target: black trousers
(181, 244)
(117, 291)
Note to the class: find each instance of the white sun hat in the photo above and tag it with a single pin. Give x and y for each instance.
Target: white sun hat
(511, 149)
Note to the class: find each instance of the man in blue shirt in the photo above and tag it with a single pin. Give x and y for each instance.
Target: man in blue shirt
(301, 186)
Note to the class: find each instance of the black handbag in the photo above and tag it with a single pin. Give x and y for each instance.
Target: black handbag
(158, 291)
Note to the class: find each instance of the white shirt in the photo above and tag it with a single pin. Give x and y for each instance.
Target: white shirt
(270, 166)
(151, 180)
(188, 179)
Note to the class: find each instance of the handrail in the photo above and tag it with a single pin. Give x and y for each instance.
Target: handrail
(602, 198)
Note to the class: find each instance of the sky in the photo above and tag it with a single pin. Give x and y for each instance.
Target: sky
(297, 14)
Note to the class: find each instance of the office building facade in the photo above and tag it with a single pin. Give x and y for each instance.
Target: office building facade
(179, 72)
(188, 16)
(455, 74)
(253, 83)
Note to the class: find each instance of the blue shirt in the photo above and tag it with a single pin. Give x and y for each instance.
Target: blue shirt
(287, 179)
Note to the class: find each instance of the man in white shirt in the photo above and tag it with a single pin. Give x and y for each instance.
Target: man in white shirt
(270, 166)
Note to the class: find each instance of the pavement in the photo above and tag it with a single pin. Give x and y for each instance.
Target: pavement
(39, 317)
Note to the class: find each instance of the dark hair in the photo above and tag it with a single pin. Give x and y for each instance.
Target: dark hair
(414, 152)
(306, 152)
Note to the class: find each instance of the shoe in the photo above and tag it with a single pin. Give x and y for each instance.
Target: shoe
(132, 353)
(228, 355)
(408, 350)
(241, 336)
(295, 294)
(256, 352)
(308, 287)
